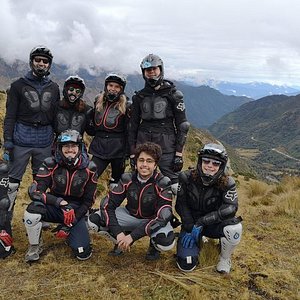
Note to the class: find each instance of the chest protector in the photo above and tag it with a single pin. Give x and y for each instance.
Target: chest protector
(70, 120)
(36, 102)
(69, 183)
(109, 117)
(154, 108)
(204, 199)
(141, 200)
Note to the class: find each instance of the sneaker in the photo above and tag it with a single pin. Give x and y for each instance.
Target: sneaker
(224, 265)
(152, 253)
(33, 253)
(116, 251)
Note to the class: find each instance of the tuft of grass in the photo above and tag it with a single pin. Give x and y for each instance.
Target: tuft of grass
(257, 188)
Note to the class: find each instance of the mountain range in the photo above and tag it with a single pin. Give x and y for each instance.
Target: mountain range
(270, 127)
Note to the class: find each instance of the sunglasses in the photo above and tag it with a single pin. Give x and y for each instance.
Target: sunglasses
(148, 160)
(44, 60)
(72, 89)
(215, 163)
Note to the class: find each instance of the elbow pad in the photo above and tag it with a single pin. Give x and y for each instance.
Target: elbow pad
(227, 212)
(182, 129)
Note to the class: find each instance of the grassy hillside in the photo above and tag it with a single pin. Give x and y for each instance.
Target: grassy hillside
(265, 265)
(271, 126)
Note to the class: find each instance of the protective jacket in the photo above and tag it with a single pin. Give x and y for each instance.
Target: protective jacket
(72, 117)
(77, 184)
(30, 110)
(151, 200)
(158, 116)
(110, 130)
(198, 205)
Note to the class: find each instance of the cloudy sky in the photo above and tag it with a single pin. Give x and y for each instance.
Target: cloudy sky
(234, 40)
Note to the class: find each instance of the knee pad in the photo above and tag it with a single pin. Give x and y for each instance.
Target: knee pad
(233, 233)
(13, 188)
(164, 242)
(33, 227)
(95, 221)
(82, 253)
(32, 219)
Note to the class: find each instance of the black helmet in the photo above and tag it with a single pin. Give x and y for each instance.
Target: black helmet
(150, 61)
(66, 137)
(73, 81)
(40, 51)
(112, 77)
(216, 152)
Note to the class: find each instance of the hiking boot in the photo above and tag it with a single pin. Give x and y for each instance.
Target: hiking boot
(224, 265)
(116, 251)
(152, 253)
(33, 253)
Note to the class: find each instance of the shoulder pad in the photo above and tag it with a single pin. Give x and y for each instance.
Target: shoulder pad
(163, 181)
(92, 166)
(177, 95)
(184, 176)
(138, 95)
(50, 162)
(126, 177)
(230, 183)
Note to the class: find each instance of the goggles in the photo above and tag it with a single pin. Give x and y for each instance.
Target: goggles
(215, 163)
(72, 89)
(44, 60)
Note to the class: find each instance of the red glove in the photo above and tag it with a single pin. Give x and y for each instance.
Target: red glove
(69, 215)
(63, 232)
(6, 238)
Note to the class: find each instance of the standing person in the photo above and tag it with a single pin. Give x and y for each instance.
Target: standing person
(30, 107)
(148, 210)
(109, 146)
(63, 191)
(158, 115)
(207, 203)
(73, 112)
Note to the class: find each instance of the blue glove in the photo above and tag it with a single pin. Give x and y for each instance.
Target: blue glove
(187, 240)
(196, 232)
(6, 156)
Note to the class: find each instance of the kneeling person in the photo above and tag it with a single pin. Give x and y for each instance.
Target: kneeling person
(148, 210)
(207, 203)
(63, 192)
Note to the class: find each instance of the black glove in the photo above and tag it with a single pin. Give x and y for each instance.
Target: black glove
(177, 163)
(132, 163)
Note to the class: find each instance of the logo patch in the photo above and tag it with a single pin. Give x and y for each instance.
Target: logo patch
(181, 106)
(231, 195)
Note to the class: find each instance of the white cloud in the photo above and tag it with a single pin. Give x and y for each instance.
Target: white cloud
(237, 40)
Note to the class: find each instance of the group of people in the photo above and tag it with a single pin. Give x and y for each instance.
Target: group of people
(151, 132)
